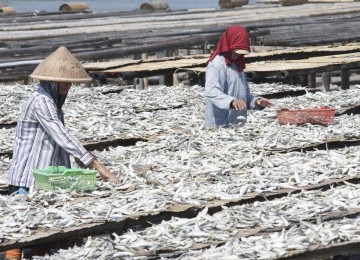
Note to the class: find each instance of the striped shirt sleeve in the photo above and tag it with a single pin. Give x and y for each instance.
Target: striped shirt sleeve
(47, 116)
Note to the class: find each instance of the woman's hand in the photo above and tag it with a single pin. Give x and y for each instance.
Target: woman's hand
(238, 104)
(105, 174)
(112, 177)
(264, 102)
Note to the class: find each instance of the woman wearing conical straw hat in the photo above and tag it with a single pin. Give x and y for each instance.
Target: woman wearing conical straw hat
(41, 137)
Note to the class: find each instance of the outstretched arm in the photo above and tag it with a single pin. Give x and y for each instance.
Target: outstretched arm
(104, 172)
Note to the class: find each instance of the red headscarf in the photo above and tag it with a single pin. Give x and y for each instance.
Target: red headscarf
(235, 37)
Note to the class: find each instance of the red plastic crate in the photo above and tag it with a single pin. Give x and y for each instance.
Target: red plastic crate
(322, 115)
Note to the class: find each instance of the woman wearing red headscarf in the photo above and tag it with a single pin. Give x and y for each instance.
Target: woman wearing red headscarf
(227, 92)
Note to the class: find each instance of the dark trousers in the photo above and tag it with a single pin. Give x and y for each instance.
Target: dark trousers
(13, 189)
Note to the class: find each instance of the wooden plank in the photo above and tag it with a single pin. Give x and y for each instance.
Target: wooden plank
(166, 21)
(96, 66)
(134, 37)
(304, 52)
(201, 59)
(161, 65)
(92, 37)
(254, 56)
(280, 69)
(291, 68)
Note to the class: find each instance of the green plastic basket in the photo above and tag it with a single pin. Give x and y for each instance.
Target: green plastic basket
(60, 177)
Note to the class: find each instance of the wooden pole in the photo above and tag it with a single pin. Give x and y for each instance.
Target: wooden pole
(326, 81)
(312, 80)
(175, 79)
(139, 83)
(144, 56)
(345, 79)
(168, 80)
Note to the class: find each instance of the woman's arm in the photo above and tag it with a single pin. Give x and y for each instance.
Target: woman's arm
(104, 172)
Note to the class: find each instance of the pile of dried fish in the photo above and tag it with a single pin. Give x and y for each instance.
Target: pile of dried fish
(193, 178)
(275, 245)
(206, 165)
(11, 99)
(270, 88)
(99, 117)
(134, 101)
(204, 173)
(4, 166)
(295, 212)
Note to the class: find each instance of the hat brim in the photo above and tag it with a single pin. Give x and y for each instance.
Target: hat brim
(243, 52)
(59, 79)
(61, 66)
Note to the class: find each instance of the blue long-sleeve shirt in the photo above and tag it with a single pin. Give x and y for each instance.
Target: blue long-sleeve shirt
(224, 84)
(41, 140)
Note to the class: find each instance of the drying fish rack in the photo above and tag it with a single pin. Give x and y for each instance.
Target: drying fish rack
(322, 115)
(60, 177)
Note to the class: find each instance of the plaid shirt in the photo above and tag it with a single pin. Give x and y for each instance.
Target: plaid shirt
(41, 140)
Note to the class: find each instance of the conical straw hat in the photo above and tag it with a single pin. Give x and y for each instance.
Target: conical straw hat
(61, 66)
